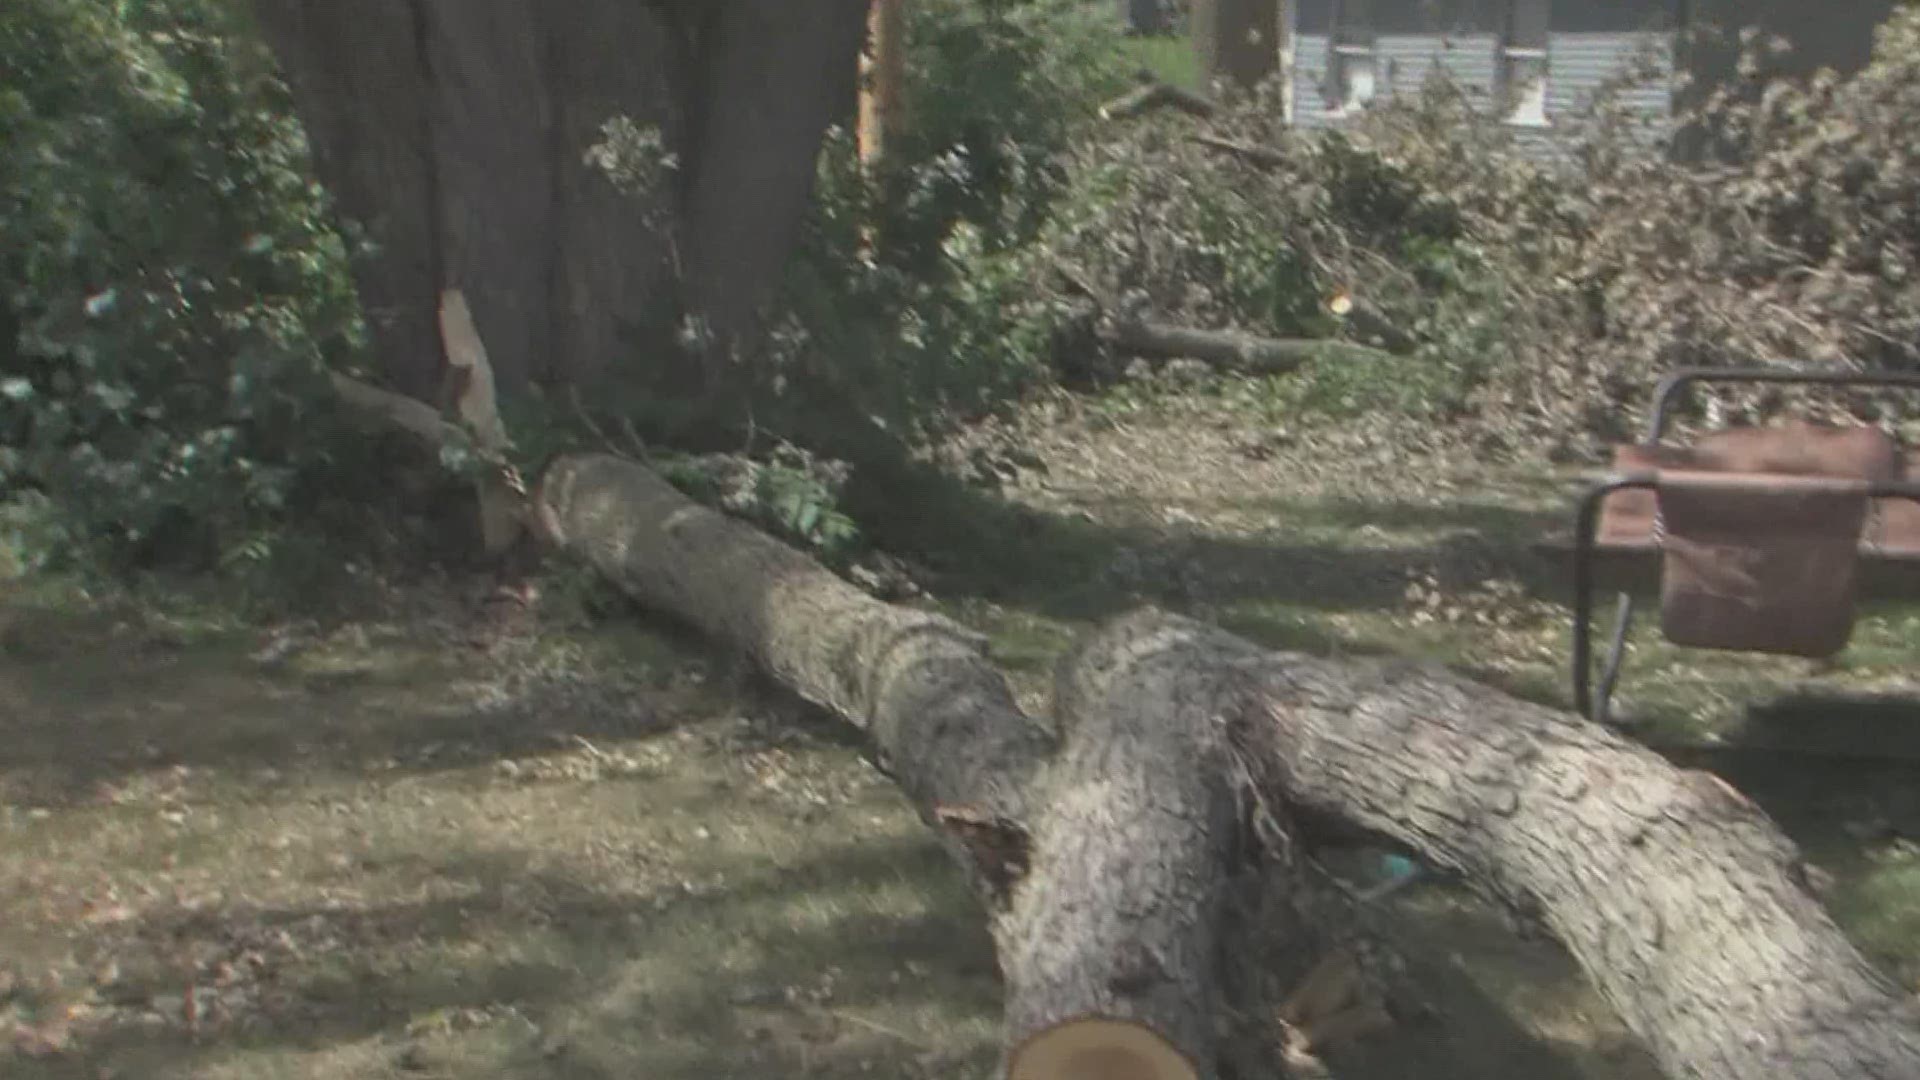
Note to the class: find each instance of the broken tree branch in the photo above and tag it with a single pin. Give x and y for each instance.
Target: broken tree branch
(470, 384)
(1157, 95)
(1232, 350)
(1685, 906)
(1102, 865)
(1258, 155)
(1106, 854)
(1131, 871)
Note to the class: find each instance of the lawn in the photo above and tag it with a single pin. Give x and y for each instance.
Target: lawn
(1170, 59)
(418, 837)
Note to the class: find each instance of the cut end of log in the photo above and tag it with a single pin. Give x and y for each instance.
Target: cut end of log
(1097, 1049)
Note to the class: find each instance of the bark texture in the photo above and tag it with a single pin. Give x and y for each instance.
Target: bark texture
(358, 76)
(1109, 854)
(939, 715)
(1228, 349)
(1238, 41)
(455, 133)
(1683, 903)
(1133, 858)
(1104, 865)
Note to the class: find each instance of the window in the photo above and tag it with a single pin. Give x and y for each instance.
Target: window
(1353, 66)
(1523, 63)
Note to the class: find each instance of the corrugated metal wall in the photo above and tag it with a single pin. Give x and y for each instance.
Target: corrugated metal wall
(1579, 65)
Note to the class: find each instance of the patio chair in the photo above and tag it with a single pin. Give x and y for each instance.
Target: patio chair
(1759, 533)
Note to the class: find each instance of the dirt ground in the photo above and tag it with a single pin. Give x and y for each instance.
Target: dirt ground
(446, 837)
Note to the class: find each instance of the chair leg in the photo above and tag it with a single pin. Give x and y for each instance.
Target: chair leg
(1616, 656)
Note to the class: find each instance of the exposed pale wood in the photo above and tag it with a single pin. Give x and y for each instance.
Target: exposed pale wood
(473, 401)
(477, 408)
(883, 81)
(1153, 95)
(1099, 1050)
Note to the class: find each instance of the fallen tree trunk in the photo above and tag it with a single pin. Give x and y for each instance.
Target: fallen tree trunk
(1685, 906)
(1106, 853)
(1154, 94)
(1131, 870)
(1099, 981)
(1232, 350)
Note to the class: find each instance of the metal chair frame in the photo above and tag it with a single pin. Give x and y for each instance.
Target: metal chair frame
(1586, 701)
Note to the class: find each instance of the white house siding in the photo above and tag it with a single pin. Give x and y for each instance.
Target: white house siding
(1579, 65)
(1469, 59)
(1310, 106)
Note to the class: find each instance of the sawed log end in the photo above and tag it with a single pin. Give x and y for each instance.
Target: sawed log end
(1099, 1048)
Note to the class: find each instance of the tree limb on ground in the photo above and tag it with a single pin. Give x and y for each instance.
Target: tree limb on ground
(1136, 790)
(1682, 902)
(1685, 906)
(1231, 350)
(1258, 155)
(1107, 852)
(1157, 95)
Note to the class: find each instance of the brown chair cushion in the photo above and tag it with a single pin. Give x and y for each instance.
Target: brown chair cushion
(1759, 563)
(1628, 518)
(1894, 532)
(1797, 448)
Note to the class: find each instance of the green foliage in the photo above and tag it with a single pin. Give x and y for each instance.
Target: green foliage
(1538, 295)
(1170, 59)
(172, 288)
(910, 301)
(793, 495)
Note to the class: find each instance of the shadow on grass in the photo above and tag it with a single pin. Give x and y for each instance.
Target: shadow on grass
(759, 978)
(84, 707)
(662, 984)
(1069, 567)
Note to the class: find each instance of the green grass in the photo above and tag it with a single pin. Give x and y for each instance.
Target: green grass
(1170, 59)
(591, 851)
(390, 854)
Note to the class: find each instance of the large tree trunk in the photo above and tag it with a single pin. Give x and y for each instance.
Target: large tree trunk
(1096, 978)
(1683, 903)
(455, 131)
(1107, 853)
(774, 75)
(358, 76)
(1237, 41)
(1106, 861)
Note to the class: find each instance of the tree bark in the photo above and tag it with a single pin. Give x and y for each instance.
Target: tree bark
(1120, 916)
(1681, 901)
(1237, 41)
(772, 77)
(358, 76)
(1106, 854)
(1232, 350)
(1103, 868)
(939, 715)
(455, 134)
